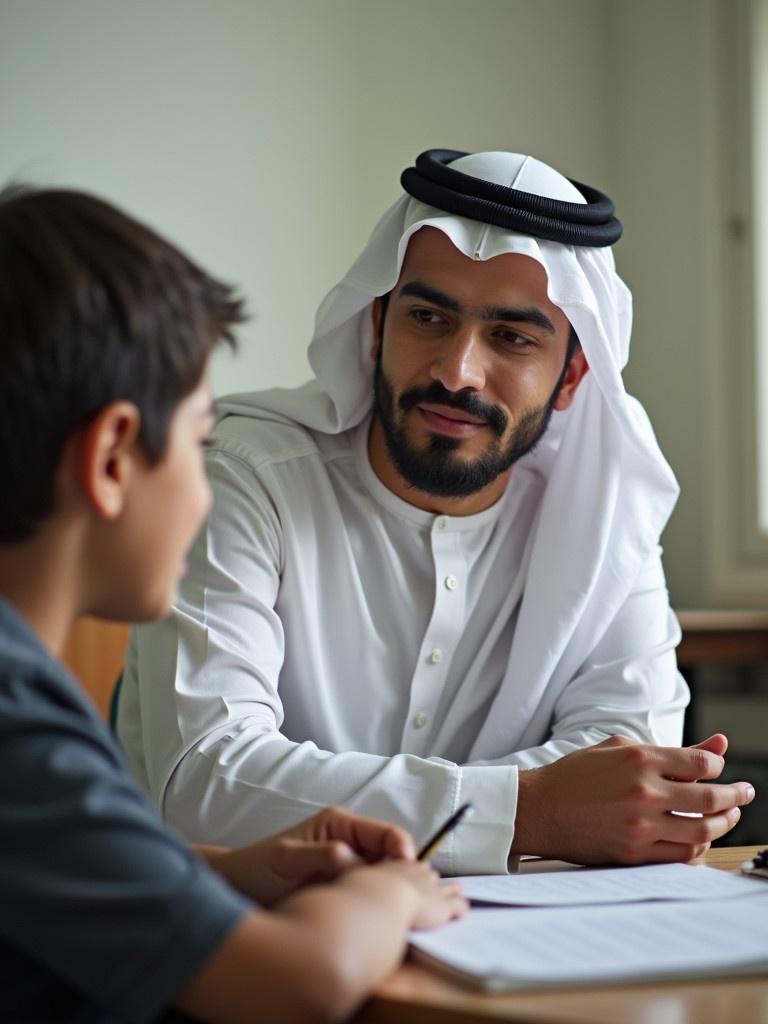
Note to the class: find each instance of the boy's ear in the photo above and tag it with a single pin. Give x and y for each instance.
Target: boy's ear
(108, 457)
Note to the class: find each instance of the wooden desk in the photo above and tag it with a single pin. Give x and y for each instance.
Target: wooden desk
(736, 639)
(722, 638)
(414, 995)
(94, 653)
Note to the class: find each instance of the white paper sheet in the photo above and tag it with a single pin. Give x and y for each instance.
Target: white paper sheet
(523, 948)
(609, 885)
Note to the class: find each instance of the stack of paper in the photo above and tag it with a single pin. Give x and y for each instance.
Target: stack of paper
(608, 885)
(589, 926)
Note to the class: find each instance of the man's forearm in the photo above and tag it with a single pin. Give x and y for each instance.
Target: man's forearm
(269, 783)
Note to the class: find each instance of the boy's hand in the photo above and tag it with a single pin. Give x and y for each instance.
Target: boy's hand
(315, 850)
(436, 901)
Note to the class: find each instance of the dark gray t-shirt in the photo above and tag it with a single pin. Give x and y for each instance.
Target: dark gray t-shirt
(104, 914)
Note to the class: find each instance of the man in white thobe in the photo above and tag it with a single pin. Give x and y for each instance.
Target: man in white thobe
(434, 571)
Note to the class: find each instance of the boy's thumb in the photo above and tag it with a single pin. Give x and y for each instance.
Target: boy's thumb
(324, 858)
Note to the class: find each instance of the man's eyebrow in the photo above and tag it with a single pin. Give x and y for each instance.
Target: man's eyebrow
(511, 314)
(528, 315)
(425, 291)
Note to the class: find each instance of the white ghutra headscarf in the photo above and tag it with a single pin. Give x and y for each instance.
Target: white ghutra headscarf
(609, 490)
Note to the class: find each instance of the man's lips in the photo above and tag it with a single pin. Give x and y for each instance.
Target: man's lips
(448, 420)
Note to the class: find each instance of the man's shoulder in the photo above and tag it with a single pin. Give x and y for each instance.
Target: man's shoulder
(266, 441)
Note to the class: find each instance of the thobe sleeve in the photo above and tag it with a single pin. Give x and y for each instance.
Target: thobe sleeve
(629, 685)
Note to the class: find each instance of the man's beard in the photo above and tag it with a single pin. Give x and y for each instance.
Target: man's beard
(437, 469)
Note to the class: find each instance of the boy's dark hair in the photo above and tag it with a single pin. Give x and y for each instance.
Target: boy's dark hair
(94, 307)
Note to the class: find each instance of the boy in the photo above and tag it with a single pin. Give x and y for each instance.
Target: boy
(105, 333)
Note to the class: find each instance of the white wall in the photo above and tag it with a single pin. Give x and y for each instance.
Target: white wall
(524, 75)
(664, 154)
(266, 136)
(226, 124)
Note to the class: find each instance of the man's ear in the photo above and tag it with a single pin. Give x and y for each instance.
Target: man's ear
(108, 454)
(574, 375)
(377, 319)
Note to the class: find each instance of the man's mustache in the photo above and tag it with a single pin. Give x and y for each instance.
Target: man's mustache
(467, 401)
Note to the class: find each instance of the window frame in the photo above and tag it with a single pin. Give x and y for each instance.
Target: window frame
(739, 540)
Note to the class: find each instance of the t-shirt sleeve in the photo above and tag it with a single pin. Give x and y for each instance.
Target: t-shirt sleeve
(91, 883)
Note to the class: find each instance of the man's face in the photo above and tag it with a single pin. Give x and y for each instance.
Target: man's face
(470, 363)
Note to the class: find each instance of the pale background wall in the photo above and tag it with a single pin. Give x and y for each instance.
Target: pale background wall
(662, 157)
(266, 136)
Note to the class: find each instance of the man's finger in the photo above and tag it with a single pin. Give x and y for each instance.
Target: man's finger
(702, 829)
(717, 743)
(707, 797)
(689, 764)
(668, 853)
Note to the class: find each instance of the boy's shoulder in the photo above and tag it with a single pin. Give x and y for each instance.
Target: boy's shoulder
(81, 843)
(20, 649)
(36, 690)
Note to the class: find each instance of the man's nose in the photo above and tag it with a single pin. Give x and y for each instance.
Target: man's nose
(459, 363)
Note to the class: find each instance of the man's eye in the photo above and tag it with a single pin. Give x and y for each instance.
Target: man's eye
(513, 339)
(425, 316)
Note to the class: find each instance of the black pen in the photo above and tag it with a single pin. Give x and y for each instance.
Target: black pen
(432, 844)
